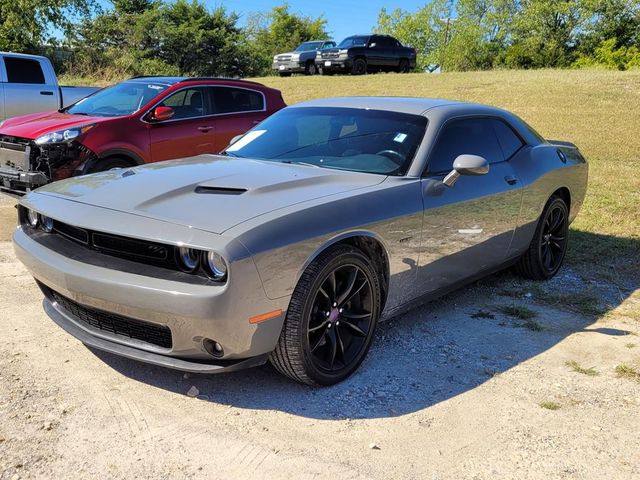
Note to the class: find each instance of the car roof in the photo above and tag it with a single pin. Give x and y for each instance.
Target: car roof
(175, 80)
(412, 105)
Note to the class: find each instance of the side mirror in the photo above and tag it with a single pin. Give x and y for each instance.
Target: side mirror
(466, 165)
(160, 114)
(372, 45)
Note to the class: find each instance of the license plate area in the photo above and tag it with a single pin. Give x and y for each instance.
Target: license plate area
(327, 63)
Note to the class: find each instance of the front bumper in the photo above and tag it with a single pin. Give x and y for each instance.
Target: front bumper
(17, 183)
(68, 324)
(288, 67)
(192, 313)
(334, 64)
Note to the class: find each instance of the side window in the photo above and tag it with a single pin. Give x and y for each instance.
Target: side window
(188, 103)
(232, 100)
(383, 42)
(473, 136)
(509, 141)
(23, 70)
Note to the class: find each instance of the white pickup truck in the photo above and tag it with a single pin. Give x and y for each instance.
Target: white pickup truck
(28, 84)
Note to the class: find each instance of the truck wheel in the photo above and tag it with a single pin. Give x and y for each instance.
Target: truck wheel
(310, 68)
(110, 164)
(403, 67)
(359, 66)
(331, 319)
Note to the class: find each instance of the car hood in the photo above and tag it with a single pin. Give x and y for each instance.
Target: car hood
(36, 124)
(208, 192)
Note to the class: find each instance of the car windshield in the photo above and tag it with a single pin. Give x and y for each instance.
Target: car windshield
(121, 99)
(355, 139)
(354, 42)
(306, 46)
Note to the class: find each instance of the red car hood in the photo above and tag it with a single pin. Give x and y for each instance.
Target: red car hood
(33, 125)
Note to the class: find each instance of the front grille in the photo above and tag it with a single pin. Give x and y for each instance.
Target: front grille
(116, 324)
(71, 232)
(284, 58)
(330, 55)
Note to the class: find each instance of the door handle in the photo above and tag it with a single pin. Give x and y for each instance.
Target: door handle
(205, 129)
(45, 92)
(510, 180)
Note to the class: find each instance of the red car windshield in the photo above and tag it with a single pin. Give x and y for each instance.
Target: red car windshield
(119, 100)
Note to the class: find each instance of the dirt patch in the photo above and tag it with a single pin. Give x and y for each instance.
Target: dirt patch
(455, 389)
(7, 217)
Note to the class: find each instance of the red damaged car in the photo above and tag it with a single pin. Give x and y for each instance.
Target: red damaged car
(141, 120)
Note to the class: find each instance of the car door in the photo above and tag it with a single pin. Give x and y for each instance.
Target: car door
(376, 56)
(26, 89)
(236, 111)
(467, 228)
(189, 132)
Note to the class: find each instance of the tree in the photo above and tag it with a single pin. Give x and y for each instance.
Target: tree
(27, 25)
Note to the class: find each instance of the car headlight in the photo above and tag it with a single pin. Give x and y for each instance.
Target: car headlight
(46, 223)
(216, 266)
(33, 218)
(62, 136)
(188, 258)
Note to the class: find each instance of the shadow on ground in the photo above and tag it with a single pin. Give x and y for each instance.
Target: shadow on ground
(425, 356)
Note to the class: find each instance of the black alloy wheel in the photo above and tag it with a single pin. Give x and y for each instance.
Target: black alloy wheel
(341, 318)
(548, 247)
(331, 318)
(359, 66)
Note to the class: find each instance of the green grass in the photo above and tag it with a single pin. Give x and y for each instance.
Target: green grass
(625, 371)
(518, 311)
(575, 366)
(549, 405)
(630, 345)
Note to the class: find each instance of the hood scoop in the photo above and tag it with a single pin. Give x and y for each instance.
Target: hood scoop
(220, 190)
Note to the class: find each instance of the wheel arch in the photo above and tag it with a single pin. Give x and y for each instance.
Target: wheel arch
(370, 244)
(565, 195)
(132, 157)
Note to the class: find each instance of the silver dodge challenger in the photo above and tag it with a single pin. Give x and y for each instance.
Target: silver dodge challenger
(292, 244)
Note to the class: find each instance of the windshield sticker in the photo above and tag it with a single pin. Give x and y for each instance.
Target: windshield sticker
(401, 137)
(246, 140)
(155, 87)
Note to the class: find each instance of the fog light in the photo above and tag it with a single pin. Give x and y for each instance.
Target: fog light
(213, 348)
(188, 258)
(32, 217)
(47, 223)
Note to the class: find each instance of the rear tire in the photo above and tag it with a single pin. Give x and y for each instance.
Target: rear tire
(310, 68)
(403, 67)
(331, 319)
(110, 164)
(545, 254)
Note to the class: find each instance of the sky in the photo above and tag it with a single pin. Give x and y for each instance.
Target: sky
(344, 17)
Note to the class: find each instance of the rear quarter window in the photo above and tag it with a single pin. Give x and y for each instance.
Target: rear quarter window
(509, 141)
(236, 100)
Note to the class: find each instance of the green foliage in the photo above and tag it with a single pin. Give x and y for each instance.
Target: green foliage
(483, 34)
(278, 31)
(26, 25)
(608, 56)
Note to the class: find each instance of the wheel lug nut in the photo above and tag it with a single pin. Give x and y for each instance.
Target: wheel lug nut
(341, 310)
(329, 326)
(337, 323)
(327, 314)
(335, 304)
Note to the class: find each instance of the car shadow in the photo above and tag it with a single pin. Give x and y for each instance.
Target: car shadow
(432, 353)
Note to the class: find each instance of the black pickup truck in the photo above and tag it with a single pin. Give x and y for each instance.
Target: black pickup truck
(360, 54)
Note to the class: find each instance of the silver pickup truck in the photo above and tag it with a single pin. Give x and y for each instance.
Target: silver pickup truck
(28, 84)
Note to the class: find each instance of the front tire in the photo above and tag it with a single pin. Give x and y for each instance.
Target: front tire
(331, 319)
(545, 254)
(359, 67)
(110, 163)
(403, 67)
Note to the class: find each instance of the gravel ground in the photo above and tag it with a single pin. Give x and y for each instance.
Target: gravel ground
(465, 387)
